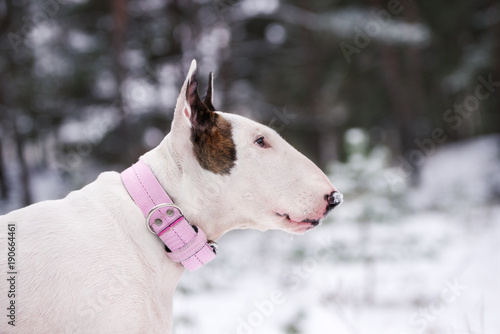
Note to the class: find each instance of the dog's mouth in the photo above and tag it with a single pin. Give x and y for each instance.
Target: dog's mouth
(299, 226)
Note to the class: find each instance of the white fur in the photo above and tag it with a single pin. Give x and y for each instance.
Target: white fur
(88, 264)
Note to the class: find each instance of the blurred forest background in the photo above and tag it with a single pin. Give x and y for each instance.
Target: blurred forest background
(97, 80)
(398, 100)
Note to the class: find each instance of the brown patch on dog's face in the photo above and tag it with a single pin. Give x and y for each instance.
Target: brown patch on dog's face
(211, 134)
(213, 145)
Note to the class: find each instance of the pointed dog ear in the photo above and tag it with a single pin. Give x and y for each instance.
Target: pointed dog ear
(208, 99)
(182, 113)
(200, 112)
(190, 109)
(197, 128)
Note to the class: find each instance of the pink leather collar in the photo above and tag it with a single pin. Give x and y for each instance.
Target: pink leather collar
(185, 243)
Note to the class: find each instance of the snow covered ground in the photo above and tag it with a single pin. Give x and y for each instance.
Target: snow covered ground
(390, 260)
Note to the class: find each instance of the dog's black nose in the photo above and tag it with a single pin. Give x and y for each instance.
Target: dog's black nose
(334, 200)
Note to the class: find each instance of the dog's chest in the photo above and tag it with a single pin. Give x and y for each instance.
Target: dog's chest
(97, 238)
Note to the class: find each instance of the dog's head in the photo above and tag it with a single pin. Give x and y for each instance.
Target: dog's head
(240, 173)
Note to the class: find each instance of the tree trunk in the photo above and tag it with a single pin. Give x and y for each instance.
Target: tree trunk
(495, 30)
(400, 102)
(4, 188)
(120, 19)
(414, 68)
(406, 96)
(26, 198)
(118, 38)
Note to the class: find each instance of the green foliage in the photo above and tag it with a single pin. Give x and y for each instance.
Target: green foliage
(363, 180)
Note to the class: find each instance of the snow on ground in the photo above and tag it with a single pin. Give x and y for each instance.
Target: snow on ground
(427, 274)
(429, 266)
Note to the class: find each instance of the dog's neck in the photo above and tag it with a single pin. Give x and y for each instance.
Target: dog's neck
(169, 168)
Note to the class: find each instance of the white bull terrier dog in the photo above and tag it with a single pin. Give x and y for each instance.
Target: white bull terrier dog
(107, 258)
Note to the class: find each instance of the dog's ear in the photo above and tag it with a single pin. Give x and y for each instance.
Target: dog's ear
(196, 124)
(189, 103)
(201, 114)
(208, 99)
(191, 110)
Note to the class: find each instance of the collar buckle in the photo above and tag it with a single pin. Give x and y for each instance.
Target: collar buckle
(159, 206)
(188, 245)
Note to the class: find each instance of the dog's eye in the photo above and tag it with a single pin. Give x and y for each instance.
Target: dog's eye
(261, 142)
